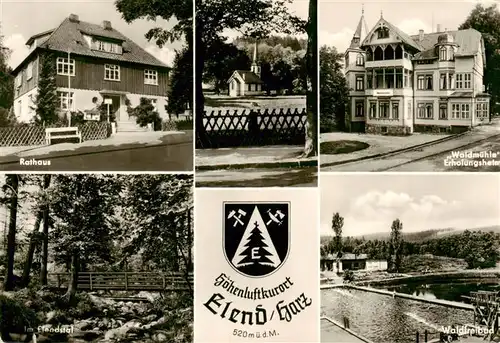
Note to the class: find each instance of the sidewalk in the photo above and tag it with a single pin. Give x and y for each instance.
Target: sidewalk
(378, 144)
(415, 160)
(331, 333)
(387, 144)
(254, 157)
(119, 141)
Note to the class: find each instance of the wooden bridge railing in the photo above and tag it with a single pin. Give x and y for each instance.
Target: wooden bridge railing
(125, 281)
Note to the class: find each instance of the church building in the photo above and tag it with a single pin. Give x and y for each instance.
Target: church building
(246, 82)
(429, 82)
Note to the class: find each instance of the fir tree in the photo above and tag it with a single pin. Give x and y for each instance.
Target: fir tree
(256, 240)
(46, 101)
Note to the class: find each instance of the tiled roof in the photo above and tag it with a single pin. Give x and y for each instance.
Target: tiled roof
(249, 76)
(68, 37)
(346, 256)
(32, 38)
(354, 256)
(430, 54)
(468, 41)
(459, 94)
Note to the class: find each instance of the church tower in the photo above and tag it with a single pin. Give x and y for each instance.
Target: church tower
(255, 66)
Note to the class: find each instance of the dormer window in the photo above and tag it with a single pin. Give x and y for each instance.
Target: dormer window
(443, 54)
(151, 77)
(113, 48)
(382, 33)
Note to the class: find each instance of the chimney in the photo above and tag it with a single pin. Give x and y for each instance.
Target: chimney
(106, 25)
(438, 27)
(74, 18)
(420, 35)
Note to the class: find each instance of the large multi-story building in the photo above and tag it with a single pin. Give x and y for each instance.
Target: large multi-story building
(400, 84)
(93, 63)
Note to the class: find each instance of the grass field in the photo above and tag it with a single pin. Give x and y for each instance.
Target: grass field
(224, 102)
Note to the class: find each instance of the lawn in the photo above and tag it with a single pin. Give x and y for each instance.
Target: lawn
(224, 102)
(342, 147)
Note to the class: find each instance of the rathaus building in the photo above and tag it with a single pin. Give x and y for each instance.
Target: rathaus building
(400, 84)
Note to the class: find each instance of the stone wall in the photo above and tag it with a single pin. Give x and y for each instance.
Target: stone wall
(357, 126)
(438, 129)
(388, 130)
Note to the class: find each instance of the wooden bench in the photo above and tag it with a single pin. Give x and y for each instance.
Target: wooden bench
(62, 133)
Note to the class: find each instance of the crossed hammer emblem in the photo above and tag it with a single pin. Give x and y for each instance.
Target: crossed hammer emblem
(237, 216)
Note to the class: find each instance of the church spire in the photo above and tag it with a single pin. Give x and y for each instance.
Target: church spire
(255, 66)
(255, 51)
(361, 30)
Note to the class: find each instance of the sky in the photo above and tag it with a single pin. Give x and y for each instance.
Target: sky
(338, 20)
(369, 203)
(20, 19)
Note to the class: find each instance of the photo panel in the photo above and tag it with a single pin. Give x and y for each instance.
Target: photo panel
(256, 87)
(257, 265)
(96, 86)
(409, 257)
(96, 258)
(407, 87)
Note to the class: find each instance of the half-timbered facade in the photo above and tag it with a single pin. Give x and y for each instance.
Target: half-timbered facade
(93, 63)
(400, 84)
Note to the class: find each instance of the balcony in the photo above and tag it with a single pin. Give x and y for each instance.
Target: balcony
(401, 63)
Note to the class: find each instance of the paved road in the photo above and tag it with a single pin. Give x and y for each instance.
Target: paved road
(430, 158)
(437, 164)
(301, 177)
(163, 157)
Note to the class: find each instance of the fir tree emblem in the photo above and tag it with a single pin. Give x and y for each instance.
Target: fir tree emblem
(253, 246)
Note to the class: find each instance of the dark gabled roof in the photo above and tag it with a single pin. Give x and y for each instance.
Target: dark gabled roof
(350, 256)
(468, 41)
(68, 37)
(248, 76)
(32, 38)
(430, 54)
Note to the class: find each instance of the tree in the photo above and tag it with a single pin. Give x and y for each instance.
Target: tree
(334, 93)
(41, 209)
(182, 12)
(158, 210)
(256, 240)
(487, 21)
(311, 146)
(253, 18)
(83, 207)
(45, 235)
(145, 113)
(46, 102)
(6, 88)
(396, 244)
(224, 60)
(11, 187)
(180, 92)
(337, 224)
